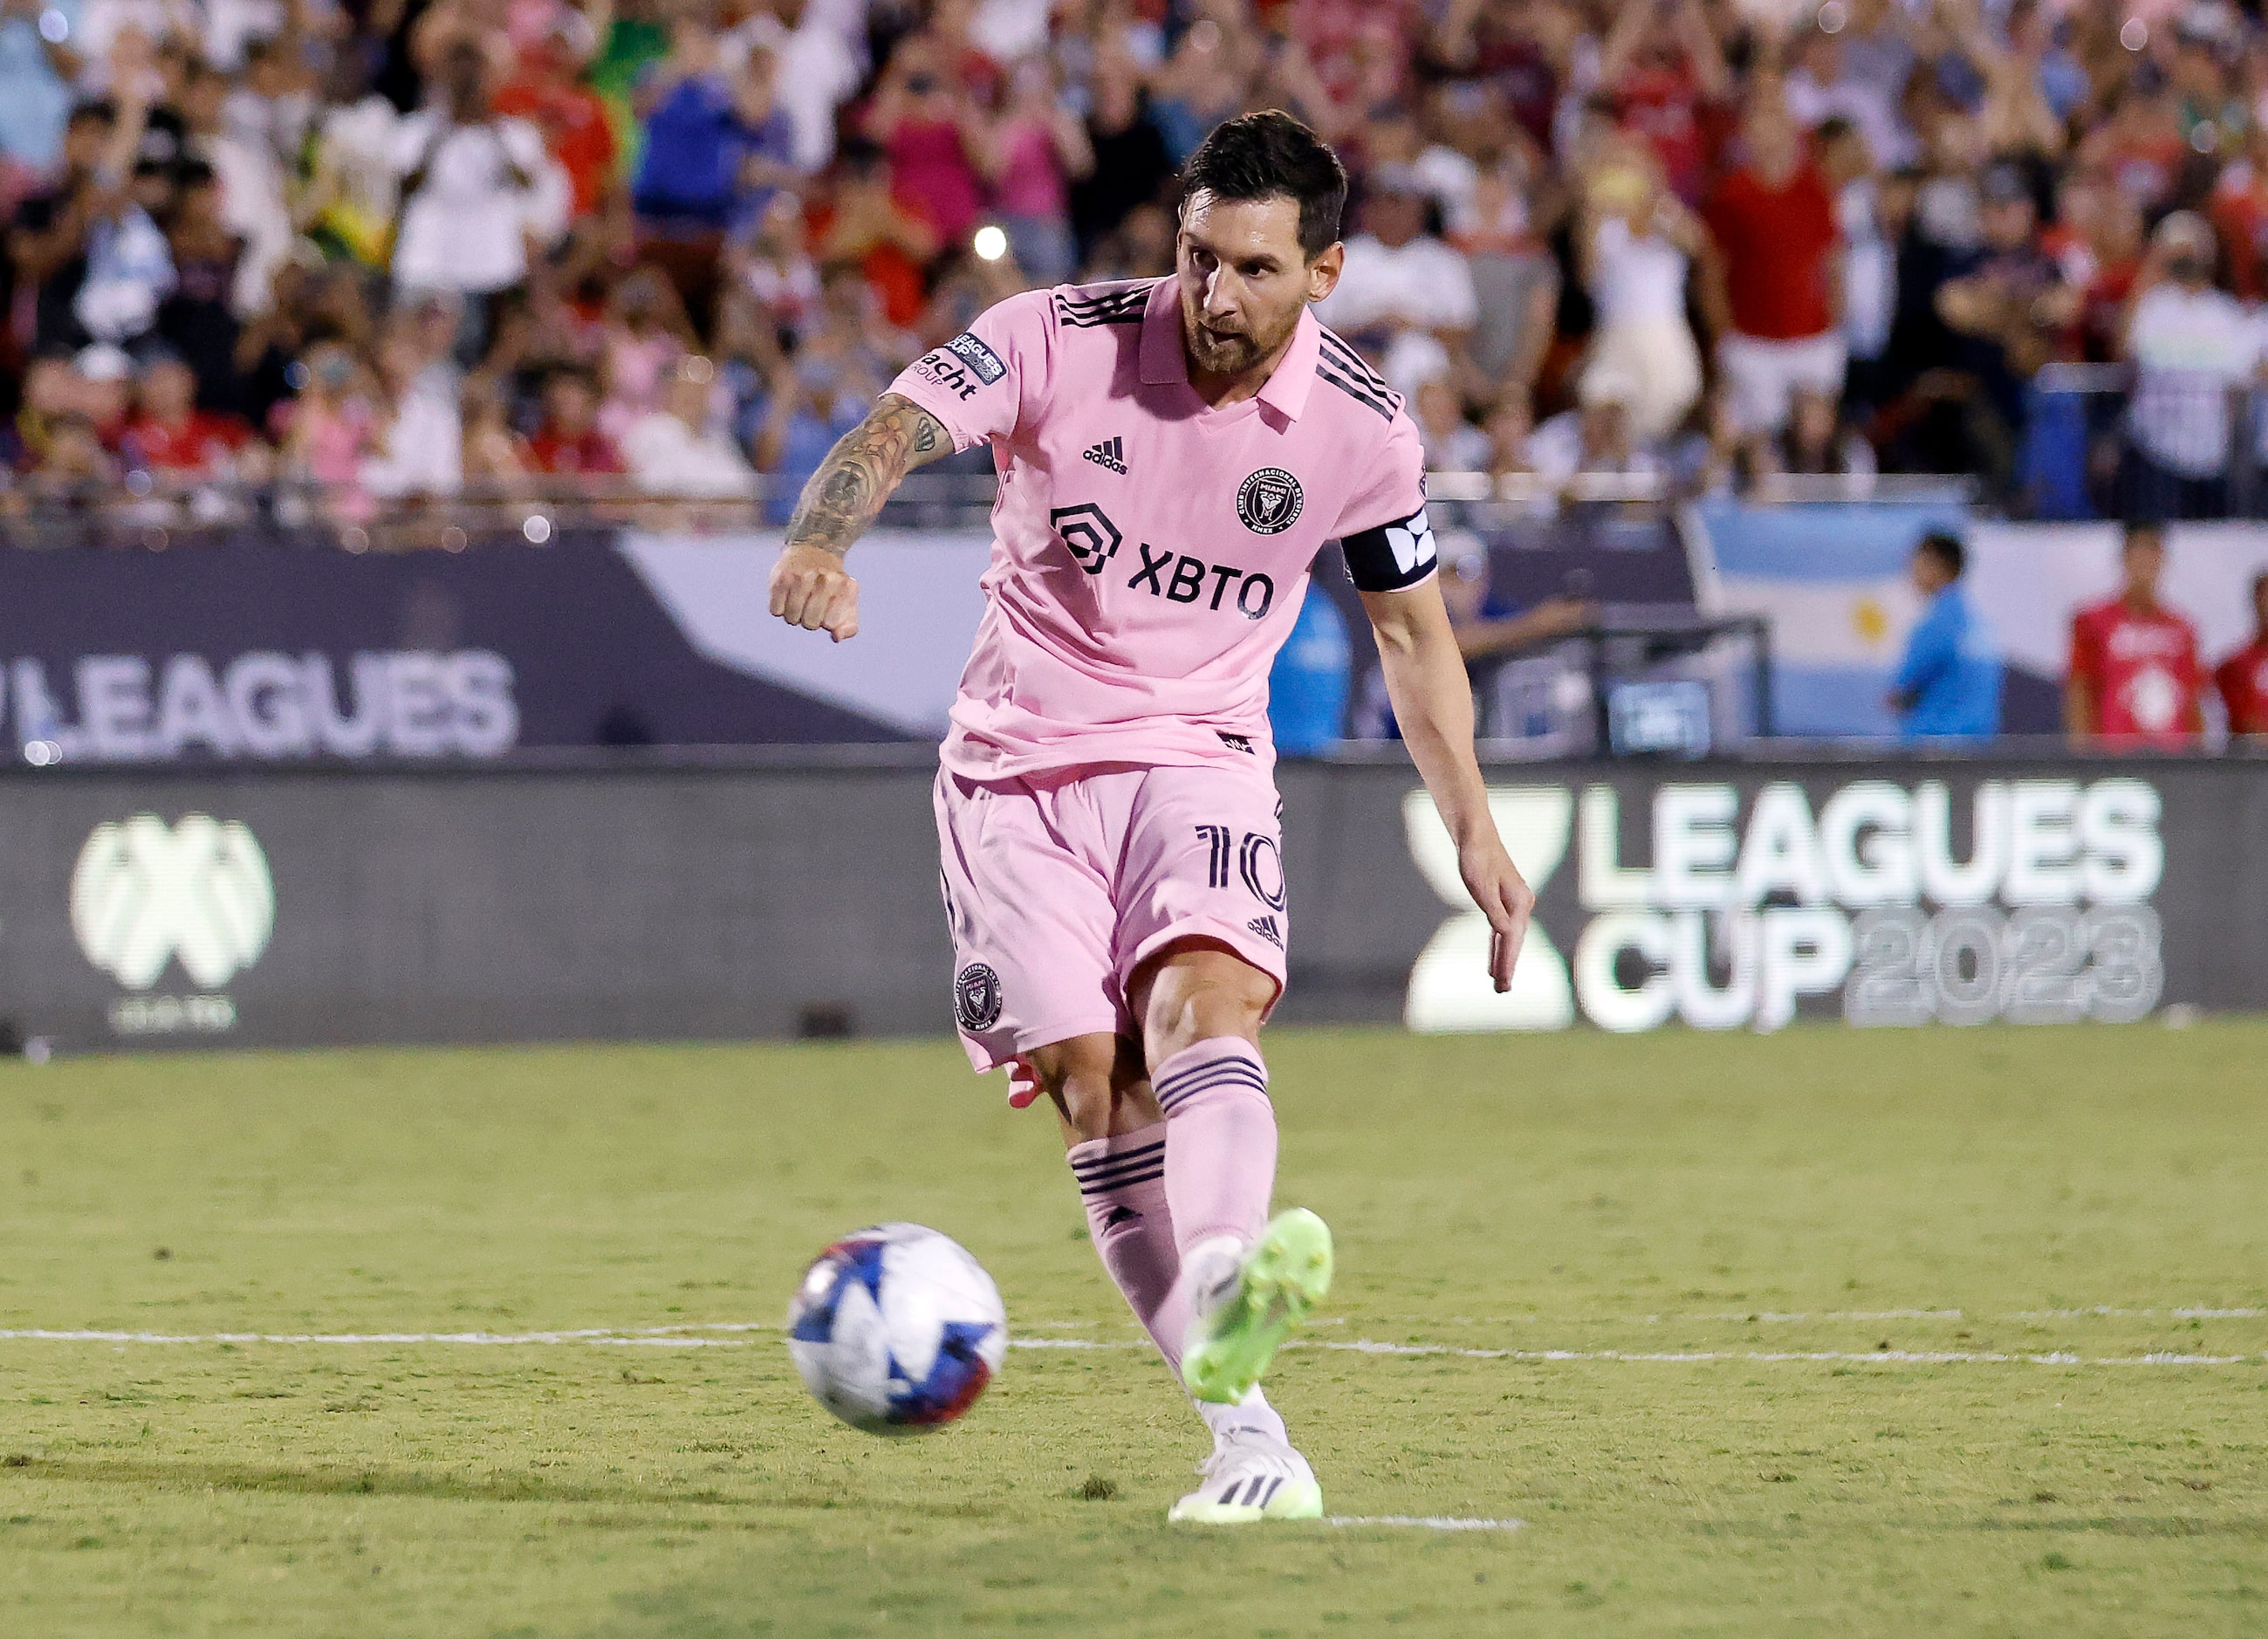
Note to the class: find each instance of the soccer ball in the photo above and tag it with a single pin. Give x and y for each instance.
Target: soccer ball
(896, 1329)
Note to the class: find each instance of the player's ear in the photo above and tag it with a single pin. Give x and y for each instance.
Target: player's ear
(1323, 271)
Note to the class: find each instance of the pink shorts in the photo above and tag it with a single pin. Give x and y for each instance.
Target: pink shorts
(1057, 888)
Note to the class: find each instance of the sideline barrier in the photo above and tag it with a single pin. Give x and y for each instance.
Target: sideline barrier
(512, 903)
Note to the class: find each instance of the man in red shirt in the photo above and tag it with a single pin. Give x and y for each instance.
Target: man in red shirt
(2243, 678)
(1769, 279)
(169, 436)
(2134, 679)
(546, 94)
(569, 442)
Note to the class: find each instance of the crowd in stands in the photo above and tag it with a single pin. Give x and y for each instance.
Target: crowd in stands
(403, 248)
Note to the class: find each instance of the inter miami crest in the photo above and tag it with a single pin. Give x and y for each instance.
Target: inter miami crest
(977, 998)
(1270, 501)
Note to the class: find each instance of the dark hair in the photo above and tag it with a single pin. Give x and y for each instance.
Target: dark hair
(1270, 155)
(2141, 531)
(1944, 546)
(94, 110)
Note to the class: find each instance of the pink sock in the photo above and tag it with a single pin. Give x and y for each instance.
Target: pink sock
(1220, 1139)
(1121, 1182)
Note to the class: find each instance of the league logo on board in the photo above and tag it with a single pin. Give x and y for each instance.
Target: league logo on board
(977, 998)
(1270, 501)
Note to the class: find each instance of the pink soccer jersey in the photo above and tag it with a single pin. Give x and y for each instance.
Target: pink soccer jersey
(1150, 552)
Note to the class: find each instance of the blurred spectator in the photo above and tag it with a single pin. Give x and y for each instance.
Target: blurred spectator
(1773, 283)
(1515, 282)
(1452, 443)
(197, 319)
(2011, 311)
(495, 456)
(37, 67)
(1308, 682)
(1867, 276)
(812, 406)
(102, 379)
(699, 158)
(2190, 344)
(72, 463)
(776, 272)
(332, 427)
(1488, 626)
(2133, 679)
(865, 225)
(568, 442)
(1637, 244)
(475, 189)
(1402, 281)
(678, 449)
(935, 135)
(1131, 165)
(57, 231)
(1947, 684)
(646, 332)
(421, 435)
(2239, 215)
(169, 436)
(1597, 437)
(1038, 149)
(349, 202)
(548, 93)
(1663, 68)
(815, 70)
(2243, 678)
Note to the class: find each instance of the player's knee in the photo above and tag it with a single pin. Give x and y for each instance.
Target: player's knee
(1076, 1076)
(1201, 994)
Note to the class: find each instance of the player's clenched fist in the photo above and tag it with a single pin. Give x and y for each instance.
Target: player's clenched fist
(811, 589)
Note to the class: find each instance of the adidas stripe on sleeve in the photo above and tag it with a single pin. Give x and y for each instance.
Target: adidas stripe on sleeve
(1383, 529)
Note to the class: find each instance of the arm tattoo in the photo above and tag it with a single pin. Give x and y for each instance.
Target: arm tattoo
(861, 470)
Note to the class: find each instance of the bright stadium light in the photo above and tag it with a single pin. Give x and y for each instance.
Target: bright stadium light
(991, 243)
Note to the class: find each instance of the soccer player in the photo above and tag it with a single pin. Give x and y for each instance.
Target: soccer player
(2134, 678)
(2243, 678)
(1172, 454)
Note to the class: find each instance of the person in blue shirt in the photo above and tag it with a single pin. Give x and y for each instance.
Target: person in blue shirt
(1948, 685)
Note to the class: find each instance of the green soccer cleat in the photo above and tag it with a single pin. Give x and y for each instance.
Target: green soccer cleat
(1251, 1476)
(1244, 1313)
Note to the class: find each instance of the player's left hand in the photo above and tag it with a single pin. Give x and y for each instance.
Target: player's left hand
(1503, 896)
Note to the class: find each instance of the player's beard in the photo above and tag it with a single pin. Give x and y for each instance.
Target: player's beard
(1234, 352)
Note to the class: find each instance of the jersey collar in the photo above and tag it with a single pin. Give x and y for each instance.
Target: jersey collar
(1163, 361)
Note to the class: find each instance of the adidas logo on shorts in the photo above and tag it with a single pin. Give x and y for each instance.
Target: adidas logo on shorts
(1265, 927)
(1110, 453)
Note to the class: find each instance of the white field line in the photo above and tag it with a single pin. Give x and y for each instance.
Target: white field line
(1771, 1316)
(1425, 1522)
(688, 1336)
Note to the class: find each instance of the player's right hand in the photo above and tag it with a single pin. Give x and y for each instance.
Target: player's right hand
(811, 589)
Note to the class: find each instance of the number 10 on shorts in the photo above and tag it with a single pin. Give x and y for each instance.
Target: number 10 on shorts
(1258, 860)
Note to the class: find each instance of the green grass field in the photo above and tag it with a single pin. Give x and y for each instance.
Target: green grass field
(1565, 1210)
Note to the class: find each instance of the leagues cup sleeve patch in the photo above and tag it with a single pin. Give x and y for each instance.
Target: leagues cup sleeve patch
(1270, 501)
(977, 998)
(1393, 556)
(977, 356)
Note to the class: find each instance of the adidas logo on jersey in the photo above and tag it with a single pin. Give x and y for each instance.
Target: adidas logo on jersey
(1265, 927)
(1110, 453)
